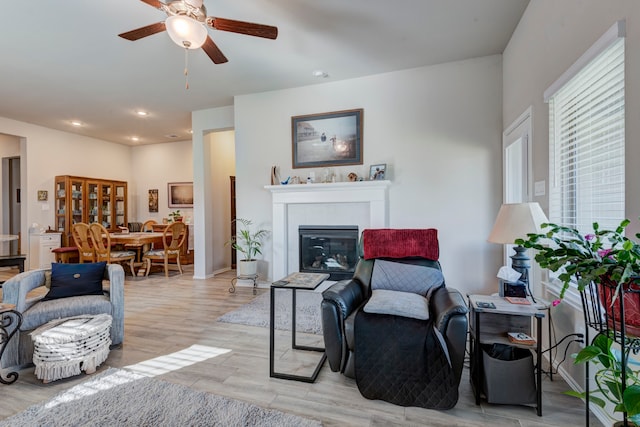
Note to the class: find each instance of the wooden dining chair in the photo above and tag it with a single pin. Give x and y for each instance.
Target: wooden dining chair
(148, 225)
(82, 238)
(173, 238)
(102, 244)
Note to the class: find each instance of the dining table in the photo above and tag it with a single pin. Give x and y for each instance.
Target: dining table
(139, 239)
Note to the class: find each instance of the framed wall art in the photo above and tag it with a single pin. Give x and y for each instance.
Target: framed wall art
(180, 194)
(43, 195)
(153, 200)
(327, 139)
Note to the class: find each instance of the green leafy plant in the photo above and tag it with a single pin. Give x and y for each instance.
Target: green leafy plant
(608, 378)
(175, 215)
(246, 241)
(585, 259)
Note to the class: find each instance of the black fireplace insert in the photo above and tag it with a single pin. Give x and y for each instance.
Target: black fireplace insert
(329, 249)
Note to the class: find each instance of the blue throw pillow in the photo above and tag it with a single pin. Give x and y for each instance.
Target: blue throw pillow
(70, 280)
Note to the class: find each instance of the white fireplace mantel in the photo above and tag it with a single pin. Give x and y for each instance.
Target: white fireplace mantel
(373, 194)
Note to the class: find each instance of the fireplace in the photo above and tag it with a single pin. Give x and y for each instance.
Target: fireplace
(329, 249)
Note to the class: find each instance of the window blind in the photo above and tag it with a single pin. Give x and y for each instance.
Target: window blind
(587, 144)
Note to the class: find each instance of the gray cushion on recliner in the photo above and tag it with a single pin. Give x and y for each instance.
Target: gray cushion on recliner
(397, 303)
(395, 276)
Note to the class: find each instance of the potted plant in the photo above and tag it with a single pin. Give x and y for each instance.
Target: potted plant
(248, 243)
(608, 262)
(603, 254)
(608, 378)
(176, 216)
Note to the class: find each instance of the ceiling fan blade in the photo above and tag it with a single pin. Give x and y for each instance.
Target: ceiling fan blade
(241, 27)
(143, 31)
(213, 52)
(154, 3)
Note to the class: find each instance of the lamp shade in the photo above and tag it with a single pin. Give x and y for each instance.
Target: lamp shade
(186, 32)
(515, 221)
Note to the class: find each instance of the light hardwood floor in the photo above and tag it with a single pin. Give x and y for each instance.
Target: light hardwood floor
(165, 316)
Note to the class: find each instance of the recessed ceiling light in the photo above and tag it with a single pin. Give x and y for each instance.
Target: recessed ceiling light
(142, 113)
(135, 138)
(76, 123)
(191, 131)
(320, 73)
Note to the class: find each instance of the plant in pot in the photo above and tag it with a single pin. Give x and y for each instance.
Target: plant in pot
(176, 216)
(609, 263)
(608, 362)
(248, 243)
(605, 257)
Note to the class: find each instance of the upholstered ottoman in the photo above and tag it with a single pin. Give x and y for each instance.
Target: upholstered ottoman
(66, 347)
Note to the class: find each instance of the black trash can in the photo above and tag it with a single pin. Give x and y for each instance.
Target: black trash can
(508, 375)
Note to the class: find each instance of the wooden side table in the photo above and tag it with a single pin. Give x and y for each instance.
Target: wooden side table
(491, 325)
(10, 322)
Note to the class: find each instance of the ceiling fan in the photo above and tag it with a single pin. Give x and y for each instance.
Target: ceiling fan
(187, 23)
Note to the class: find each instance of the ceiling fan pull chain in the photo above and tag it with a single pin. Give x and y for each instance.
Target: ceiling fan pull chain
(186, 68)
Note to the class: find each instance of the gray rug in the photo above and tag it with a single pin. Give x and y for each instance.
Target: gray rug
(256, 313)
(119, 397)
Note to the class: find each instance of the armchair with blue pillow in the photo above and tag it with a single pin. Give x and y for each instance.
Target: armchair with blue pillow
(73, 290)
(395, 326)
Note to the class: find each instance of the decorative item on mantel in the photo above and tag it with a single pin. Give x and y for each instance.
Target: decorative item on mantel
(275, 178)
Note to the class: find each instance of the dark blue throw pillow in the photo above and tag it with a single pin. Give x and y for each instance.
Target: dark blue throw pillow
(70, 280)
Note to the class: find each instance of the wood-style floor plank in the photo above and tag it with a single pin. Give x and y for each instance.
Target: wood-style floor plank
(166, 316)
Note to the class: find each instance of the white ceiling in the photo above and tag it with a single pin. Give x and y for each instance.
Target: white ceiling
(62, 60)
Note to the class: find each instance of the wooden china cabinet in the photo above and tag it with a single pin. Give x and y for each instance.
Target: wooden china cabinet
(80, 199)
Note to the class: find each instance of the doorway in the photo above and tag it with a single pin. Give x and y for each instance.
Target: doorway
(11, 202)
(517, 166)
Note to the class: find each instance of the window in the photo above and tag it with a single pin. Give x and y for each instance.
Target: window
(587, 138)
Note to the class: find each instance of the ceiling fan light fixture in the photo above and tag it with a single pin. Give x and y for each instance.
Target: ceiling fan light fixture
(186, 32)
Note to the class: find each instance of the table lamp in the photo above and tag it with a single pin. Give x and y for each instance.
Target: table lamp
(515, 221)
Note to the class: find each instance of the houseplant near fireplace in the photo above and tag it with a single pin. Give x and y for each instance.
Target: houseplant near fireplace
(248, 243)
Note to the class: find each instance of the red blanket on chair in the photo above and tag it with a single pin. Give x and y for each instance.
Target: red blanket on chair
(401, 243)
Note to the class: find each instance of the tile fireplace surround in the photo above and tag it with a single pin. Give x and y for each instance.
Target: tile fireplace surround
(363, 203)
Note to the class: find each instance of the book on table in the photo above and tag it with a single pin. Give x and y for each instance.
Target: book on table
(518, 300)
(520, 338)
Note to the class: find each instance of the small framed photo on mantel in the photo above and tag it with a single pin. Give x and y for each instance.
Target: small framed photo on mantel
(377, 172)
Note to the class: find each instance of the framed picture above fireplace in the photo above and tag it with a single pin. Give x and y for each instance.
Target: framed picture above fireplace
(327, 139)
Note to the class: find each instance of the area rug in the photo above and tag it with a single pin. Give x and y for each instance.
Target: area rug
(119, 397)
(256, 313)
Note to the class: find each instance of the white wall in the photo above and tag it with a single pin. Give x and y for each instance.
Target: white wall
(223, 165)
(439, 131)
(549, 38)
(203, 122)
(154, 166)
